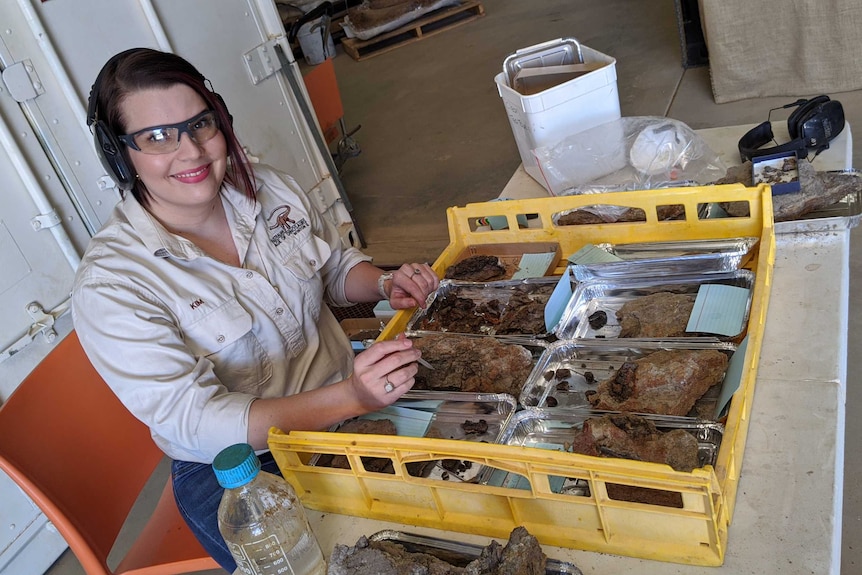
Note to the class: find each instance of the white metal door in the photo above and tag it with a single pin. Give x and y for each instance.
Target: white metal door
(42, 230)
(54, 193)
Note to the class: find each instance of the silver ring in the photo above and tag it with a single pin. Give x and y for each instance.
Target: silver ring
(388, 387)
(416, 271)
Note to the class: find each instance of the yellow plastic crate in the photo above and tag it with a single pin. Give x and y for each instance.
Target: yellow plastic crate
(695, 534)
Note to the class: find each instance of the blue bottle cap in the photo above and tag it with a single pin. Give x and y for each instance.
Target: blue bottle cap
(236, 465)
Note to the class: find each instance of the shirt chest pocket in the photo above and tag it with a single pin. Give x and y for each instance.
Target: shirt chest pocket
(305, 264)
(225, 337)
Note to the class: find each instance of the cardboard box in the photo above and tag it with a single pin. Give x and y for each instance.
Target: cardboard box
(360, 328)
(531, 81)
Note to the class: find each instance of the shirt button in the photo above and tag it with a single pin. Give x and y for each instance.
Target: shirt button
(249, 275)
(312, 262)
(279, 310)
(220, 339)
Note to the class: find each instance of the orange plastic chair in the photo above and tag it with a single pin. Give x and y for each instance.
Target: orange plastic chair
(322, 87)
(83, 458)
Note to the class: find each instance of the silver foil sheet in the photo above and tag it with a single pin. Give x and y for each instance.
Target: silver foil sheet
(609, 296)
(657, 259)
(554, 429)
(569, 369)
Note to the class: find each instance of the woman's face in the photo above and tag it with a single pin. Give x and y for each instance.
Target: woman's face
(183, 181)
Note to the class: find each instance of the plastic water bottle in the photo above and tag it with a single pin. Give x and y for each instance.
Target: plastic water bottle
(261, 519)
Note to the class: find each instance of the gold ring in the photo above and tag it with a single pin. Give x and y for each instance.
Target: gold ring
(388, 387)
(417, 271)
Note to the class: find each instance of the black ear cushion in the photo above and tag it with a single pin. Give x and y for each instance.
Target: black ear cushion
(802, 113)
(753, 139)
(110, 151)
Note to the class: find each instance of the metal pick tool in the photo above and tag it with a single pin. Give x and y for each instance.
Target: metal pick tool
(425, 363)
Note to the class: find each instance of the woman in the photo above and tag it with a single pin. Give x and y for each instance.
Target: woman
(201, 301)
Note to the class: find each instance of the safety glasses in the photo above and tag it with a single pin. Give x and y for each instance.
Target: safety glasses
(166, 139)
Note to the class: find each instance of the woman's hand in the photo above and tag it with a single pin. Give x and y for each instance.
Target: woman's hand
(411, 285)
(384, 372)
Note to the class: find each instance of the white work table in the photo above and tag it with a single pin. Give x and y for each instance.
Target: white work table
(787, 518)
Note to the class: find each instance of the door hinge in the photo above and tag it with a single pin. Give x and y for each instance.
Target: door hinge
(22, 81)
(43, 323)
(262, 61)
(43, 221)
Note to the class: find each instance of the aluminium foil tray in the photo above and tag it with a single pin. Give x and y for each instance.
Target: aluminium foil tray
(842, 215)
(456, 552)
(553, 429)
(495, 294)
(610, 295)
(568, 369)
(657, 259)
(453, 409)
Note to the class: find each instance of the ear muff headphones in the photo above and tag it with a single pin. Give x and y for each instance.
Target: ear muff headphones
(109, 148)
(811, 126)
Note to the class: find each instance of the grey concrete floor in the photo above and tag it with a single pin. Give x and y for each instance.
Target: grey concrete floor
(435, 134)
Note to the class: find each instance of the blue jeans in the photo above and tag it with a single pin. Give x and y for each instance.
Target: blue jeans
(198, 495)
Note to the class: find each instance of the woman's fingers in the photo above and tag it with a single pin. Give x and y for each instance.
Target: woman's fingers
(411, 284)
(386, 369)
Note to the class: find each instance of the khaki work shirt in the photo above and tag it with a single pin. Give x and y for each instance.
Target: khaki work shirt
(187, 342)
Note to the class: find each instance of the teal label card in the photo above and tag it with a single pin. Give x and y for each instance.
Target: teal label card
(719, 309)
(533, 266)
(591, 254)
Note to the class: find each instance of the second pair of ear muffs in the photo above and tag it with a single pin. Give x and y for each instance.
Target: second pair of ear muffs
(109, 148)
(811, 126)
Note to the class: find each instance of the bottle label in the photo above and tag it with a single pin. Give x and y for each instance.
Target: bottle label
(270, 558)
(267, 556)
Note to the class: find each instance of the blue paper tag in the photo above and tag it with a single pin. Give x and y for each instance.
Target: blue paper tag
(558, 301)
(533, 266)
(732, 378)
(591, 254)
(718, 309)
(502, 222)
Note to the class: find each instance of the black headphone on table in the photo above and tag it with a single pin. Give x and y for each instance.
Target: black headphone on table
(109, 148)
(811, 126)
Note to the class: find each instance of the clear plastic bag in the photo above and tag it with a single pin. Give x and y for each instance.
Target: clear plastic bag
(632, 153)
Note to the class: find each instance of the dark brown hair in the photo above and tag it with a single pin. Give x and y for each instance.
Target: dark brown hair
(143, 68)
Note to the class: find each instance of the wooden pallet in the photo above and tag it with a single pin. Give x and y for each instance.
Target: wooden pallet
(428, 25)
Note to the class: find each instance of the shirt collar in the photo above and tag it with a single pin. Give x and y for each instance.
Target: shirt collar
(162, 243)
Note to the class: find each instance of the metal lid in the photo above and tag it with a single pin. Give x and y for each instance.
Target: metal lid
(551, 53)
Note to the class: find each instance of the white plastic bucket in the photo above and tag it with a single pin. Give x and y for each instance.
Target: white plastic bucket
(310, 37)
(545, 118)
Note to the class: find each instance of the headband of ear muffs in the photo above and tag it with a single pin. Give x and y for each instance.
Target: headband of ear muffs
(109, 148)
(811, 126)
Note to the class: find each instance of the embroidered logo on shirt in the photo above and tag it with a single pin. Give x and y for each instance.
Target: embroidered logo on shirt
(279, 219)
(197, 303)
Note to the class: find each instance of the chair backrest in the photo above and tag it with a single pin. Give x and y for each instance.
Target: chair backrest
(322, 87)
(76, 450)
